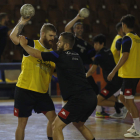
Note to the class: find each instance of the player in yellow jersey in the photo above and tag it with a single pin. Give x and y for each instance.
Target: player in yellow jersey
(116, 44)
(129, 70)
(33, 82)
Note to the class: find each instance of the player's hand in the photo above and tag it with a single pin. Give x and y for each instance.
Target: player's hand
(110, 76)
(23, 20)
(78, 17)
(23, 41)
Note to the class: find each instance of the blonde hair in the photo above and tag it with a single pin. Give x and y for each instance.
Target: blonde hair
(48, 27)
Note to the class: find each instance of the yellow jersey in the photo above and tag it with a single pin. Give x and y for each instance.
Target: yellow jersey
(131, 68)
(35, 73)
(114, 49)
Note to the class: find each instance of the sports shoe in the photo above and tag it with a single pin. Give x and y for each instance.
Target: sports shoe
(124, 111)
(131, 129)
(117, 116)
(134, 134)
(101, 115)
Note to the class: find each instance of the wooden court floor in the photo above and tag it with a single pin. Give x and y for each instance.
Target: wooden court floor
(103, 129)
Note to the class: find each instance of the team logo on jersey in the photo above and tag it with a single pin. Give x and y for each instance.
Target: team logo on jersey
(64, 113)
(105, 92)
(128, 92)
(16, 112)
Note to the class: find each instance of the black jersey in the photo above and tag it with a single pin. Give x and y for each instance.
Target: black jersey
(104, 58)
(70, 72)
(84, 49)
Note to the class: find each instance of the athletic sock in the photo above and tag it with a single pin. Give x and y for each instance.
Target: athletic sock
(98, 108)
(50, 138)
(137, 124)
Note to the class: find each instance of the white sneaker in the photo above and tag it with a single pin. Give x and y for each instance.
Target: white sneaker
(124, 110)
(131, 135)
(131, 129)
(117, 116)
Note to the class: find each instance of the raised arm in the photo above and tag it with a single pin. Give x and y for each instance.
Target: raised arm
(14, 36)
(91, 70)
(71, 23)
(45, 56)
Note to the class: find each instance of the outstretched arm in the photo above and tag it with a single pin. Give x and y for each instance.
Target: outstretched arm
(72, 22)
(14, 36)
(31, 51)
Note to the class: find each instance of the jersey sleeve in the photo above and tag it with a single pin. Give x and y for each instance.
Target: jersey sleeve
(50, 56)
(118, 44)
(97, 59)
(126, 44)
(30, 43)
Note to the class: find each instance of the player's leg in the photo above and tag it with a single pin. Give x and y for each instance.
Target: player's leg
(44, 104)
(23, 106)
(129, 90)
(20, 131)
(58, 126)
(84, 130)
(51, 115)
(107, 98)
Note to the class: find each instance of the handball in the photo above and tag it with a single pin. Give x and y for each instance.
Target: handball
(27, 11)
(84, 12)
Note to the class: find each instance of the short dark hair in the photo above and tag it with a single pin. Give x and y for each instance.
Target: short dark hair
(68, 38)
(77, 23)
(118, 26)
(48, 27)
(2, 15)
(129, 20)
(100, 38)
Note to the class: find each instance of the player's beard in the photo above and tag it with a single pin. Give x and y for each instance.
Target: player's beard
(61, 49)
(47, 44)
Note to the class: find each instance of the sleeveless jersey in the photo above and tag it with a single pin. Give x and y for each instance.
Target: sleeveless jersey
(114, 50)
(35, 73)
(131, 68)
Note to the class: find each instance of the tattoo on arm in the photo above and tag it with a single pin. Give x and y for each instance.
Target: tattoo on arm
(20, 27)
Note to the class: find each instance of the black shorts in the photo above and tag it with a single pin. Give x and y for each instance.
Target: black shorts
(112, 87)
(27, 100)
(79, 107)
(129, 86)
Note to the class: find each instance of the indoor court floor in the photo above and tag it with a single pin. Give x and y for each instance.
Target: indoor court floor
(103, 129)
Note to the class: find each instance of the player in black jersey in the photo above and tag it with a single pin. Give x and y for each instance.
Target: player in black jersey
(73, 83)
(85, 50)
(104, 59)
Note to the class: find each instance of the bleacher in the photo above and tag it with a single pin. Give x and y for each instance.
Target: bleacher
(104, 14)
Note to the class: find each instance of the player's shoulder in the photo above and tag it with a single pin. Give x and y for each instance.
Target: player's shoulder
(126, 39)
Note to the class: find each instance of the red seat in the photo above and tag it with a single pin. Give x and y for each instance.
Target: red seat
(128, 3)
(33, 2)
(99, 29)
(13, 3)
(40, 17)
(45, 4)
(119, 11)
(64, 4)
(104, 16)
(95, 4)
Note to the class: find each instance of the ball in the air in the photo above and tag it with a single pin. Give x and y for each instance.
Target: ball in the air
(27, 10)
(84, 12)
